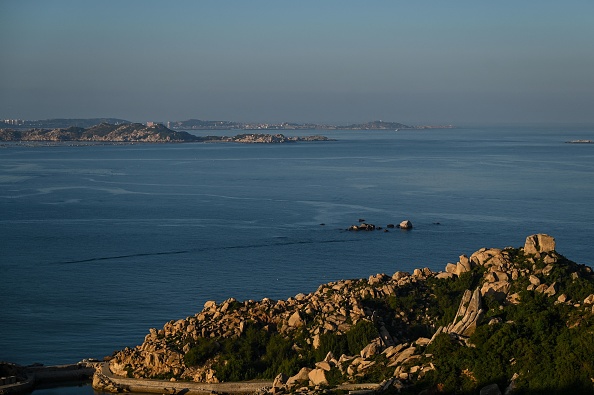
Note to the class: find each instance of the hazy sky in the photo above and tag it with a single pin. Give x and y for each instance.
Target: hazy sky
(323, 61)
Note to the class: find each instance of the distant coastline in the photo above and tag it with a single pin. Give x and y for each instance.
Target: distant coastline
(197, 124)
(138, 133)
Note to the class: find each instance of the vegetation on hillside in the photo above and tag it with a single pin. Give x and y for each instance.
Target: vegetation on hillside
(533, 335)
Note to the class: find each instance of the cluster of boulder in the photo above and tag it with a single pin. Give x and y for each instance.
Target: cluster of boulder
(338, 306)
(406, 224)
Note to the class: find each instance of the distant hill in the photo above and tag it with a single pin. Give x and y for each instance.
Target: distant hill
(68, 122)
(103, 132)
(376, 125)
(198, 124)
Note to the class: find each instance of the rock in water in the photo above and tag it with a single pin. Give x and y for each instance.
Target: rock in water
(406, 224)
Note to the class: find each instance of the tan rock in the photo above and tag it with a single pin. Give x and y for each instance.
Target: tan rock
(365, 365)
(465, 261)
(497, 289)
(515, 274)
(280, 380)
(589, 299)
(406, 224)
(371, 349)
(405, 354)
(491, 258)
(469, 314)
(301, 377)
(563, 298)
(422, 341)
(490, 277)
(316, 341)
(541, 288)
(378, 278)
(351, 370)
(324, 365)
(514, 298)
(444, 275)
(551, 290)
(534, 280)
(451, 268)
(501, 276)
(550, 259)
(539, 243)
(400, 275)
(318, 377)
(295, 320)
(547, 269)
(330, 358)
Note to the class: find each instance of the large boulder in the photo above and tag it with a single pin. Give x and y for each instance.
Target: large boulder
(371, 349)
(469, 314)
(318, 377)
(302, 377)
(295, 320)
(280, 380)
(406, 224)
(539, 243)
(496, 289)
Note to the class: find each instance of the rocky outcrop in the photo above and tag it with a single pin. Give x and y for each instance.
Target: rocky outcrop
(392, 304)
(537, 244)
(406, 224)
(468, 316)
(259, 138)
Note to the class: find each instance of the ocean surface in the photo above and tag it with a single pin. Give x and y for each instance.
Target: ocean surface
(99, 243)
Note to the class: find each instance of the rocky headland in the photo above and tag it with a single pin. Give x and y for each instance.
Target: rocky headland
(511, 320)
(138, 133)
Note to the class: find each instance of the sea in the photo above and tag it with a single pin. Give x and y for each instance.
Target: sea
(99, 243)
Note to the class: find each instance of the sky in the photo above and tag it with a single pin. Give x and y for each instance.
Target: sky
(299, 61)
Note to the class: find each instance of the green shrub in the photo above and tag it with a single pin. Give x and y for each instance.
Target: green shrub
(202, 350)
(350, 343)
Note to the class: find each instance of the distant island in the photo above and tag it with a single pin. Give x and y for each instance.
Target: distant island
(138, 133)
(197, 124)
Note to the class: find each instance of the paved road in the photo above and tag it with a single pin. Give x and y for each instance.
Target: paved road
(183, 387)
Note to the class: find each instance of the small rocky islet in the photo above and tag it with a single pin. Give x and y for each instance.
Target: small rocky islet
(511, 320)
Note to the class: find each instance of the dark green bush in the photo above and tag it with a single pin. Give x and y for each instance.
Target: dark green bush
(350, 343)
(201, 351)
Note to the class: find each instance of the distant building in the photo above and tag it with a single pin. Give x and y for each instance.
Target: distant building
(153, 124)
(14, 121)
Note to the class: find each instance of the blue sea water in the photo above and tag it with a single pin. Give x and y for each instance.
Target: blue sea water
(99, 243)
